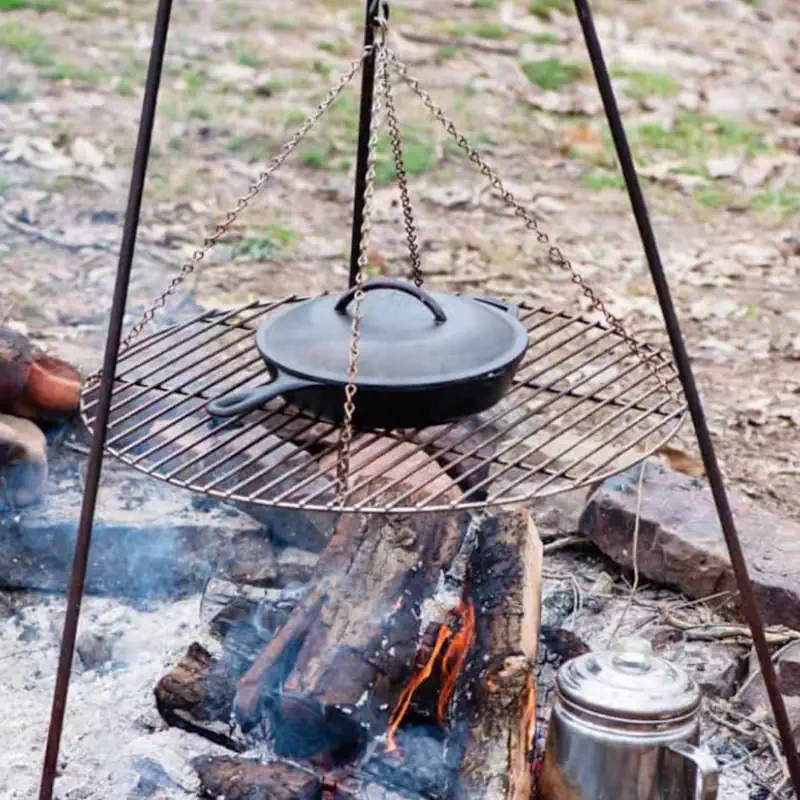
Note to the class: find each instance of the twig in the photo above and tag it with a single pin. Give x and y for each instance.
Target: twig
(634, 557)
(564, 543)
(31, 230)
(78, 448)
(757, 671)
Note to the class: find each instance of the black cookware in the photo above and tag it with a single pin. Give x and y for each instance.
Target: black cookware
(425, 358)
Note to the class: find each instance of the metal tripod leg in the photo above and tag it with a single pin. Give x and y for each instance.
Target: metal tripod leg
(746, 595)
(95, 462)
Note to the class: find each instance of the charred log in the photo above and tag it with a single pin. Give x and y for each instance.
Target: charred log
(332, 674)
(197, 695)
(506, 587)
(241, 779)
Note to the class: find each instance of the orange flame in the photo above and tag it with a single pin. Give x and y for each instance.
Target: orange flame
(454, 658)
(452, 662)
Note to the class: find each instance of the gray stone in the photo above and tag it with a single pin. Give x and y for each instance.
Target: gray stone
(681, 543)
(93, 650)
(149, 539)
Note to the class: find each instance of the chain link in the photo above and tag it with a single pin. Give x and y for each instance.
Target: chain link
(402, 181)
(346, 432)
(232, 216)
(555, 254)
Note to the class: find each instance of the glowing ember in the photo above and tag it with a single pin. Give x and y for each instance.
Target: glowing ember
(521, 790)
(452, 662)
(454, 658)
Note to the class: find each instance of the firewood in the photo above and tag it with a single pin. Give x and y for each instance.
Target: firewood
(197, 695)
(23, 462)
(506, 589)
(16, 356)
(332, 674)
(241, 779)
(52, 390)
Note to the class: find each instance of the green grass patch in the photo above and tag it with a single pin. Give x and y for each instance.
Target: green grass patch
(247, 58)
(484, 4)
(552, 74)
(544, 8)
(446, 53)
(124, 87)
(419, 156)
(546, 37)
(33, 5)
(67, 71)
(35, 49)
(4, 184)
(786, 200)
(713, 198)
(645, 84)
(316, 157)
(602, 179)
(30, 45)
(696, 136)
(490, 30)
(268, 244)
(483, 30)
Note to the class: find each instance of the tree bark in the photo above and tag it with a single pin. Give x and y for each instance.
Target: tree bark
(506, 588)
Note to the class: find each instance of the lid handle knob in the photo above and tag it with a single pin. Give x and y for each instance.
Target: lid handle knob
(633, 655)
(399, 286)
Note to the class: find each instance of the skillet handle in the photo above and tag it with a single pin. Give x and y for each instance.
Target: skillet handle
(400, 286)
(230, 405)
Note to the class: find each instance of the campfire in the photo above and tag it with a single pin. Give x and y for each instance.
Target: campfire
(407, 667)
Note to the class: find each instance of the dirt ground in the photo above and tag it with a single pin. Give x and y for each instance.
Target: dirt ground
(710, 90)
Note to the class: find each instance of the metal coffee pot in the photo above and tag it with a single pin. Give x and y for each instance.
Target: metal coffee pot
(625, 726)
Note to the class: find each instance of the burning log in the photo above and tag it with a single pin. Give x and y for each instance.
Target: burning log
(506, 587)
(332, 674)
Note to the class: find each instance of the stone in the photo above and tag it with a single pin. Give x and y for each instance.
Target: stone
(93, 650)
(788, 663)
(148, 538)
(23, 462)
(723, 167)
(86, 154)
(681, 543)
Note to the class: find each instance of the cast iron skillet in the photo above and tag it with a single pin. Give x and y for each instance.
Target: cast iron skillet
(425, 358)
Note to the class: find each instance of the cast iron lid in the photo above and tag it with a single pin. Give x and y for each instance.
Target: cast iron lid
(408, 337)
(629, 683)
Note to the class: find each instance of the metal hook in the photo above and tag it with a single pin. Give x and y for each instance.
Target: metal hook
(379, 13)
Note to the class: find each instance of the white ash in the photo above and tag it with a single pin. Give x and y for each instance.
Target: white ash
(450, 586)
(113, 737)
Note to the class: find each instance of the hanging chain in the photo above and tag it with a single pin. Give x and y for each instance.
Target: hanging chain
(555, 254)
(346, 432)
(242, 203)
(402, 181)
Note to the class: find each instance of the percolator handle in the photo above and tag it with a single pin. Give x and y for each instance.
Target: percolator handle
(706, 770)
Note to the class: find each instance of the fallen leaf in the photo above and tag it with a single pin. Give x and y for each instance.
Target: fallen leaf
(681, 461)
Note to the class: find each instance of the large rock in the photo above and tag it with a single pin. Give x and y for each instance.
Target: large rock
(149, 539)
(681, 542)
(23, 462)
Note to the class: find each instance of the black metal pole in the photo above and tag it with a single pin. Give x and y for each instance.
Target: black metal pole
(95, 462)
(364, 124)
(681, 355)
